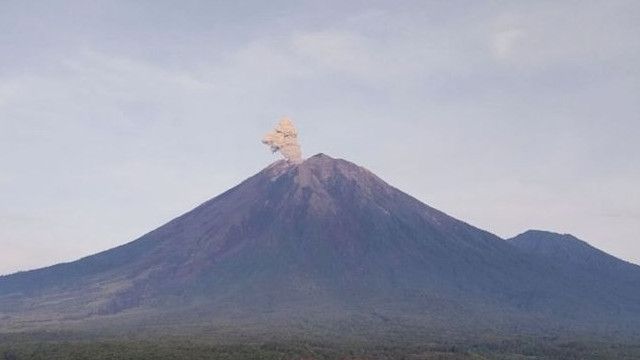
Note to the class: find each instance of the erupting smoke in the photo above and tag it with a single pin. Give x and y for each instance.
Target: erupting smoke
(284, 138)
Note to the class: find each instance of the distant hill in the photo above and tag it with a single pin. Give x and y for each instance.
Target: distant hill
(568, 250)
(612, 284)
(327, 246)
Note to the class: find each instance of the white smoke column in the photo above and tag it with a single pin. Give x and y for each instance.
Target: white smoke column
(284, 138)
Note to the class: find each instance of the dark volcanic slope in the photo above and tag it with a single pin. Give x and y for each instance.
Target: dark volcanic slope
(568, 250)
(321, 239)
(612, 283)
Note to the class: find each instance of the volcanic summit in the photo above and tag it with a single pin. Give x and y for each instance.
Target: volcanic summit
(324, 241)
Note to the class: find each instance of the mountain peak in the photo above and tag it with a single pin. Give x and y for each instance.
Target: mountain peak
(545, 232)
(320, 170)
(321, 156)
(328, 239)
(564, 248)
(320, 160)
(542, 239)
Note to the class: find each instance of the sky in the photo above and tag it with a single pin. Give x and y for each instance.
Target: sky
(117, 116)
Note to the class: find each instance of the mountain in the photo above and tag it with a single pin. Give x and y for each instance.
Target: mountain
(326, 244)
(565, 249)
(614, 283)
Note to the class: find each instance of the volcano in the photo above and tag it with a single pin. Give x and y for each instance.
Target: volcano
(323, 244)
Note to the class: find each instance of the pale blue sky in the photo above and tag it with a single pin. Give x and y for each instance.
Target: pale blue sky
(116, 116)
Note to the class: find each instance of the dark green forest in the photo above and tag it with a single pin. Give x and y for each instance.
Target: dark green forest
(17, 346)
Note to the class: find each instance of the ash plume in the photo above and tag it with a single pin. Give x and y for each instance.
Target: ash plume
(284, 139)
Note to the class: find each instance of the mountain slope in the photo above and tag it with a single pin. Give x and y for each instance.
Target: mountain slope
(569, 250)
(612, 282)
(324, 240)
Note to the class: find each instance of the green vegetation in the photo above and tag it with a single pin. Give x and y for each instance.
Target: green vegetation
(19, 347)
